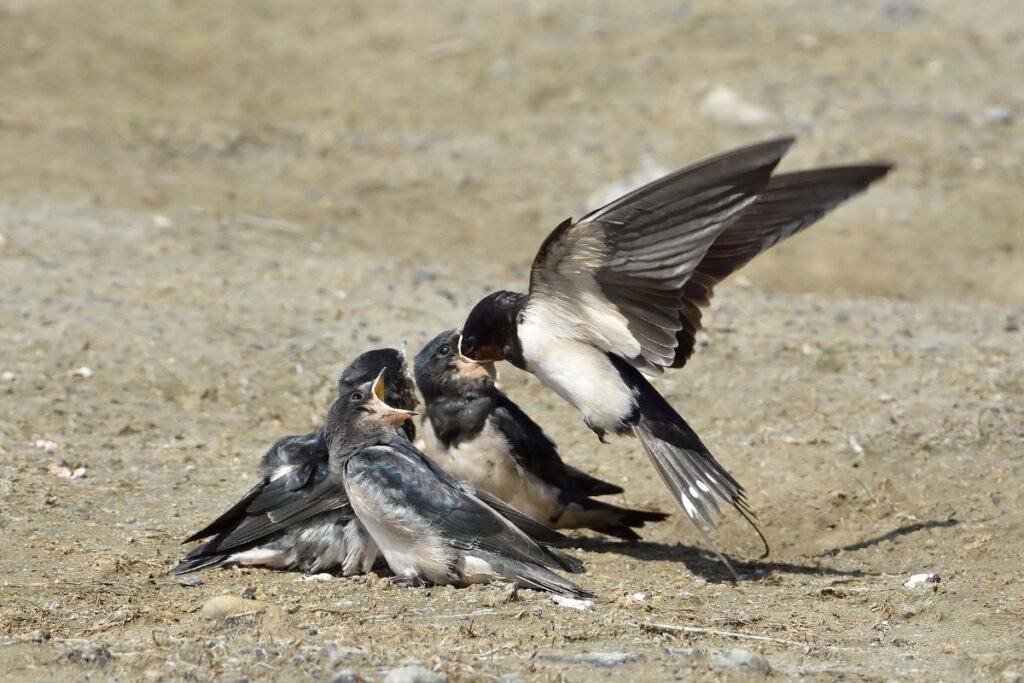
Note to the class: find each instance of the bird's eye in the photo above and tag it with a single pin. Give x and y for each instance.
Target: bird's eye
(444, 350)
(356, 396)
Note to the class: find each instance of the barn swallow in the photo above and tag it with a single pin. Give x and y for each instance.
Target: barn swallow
(431, 529)
(616, 297)
(297, 517)
(476, 433)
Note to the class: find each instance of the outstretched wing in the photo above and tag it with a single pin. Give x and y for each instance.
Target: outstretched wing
(790, 203)
(614, 278)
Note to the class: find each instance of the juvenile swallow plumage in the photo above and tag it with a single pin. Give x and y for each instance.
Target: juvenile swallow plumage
(478, 434)
(616, 297)
(430, 528)
(297, 517)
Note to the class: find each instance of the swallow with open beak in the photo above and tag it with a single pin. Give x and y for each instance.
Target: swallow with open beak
(476, 433)
(430, 528)
(616, 297)
(297, 517)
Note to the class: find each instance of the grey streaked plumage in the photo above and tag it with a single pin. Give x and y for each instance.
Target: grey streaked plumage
(297, 517)
(476, 433)
(617, 295)
(430, 528)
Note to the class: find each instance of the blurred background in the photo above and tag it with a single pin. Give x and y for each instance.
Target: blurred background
(208, 208)
(479, 126)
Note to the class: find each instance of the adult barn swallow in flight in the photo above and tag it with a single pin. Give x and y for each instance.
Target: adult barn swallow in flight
(616, 297)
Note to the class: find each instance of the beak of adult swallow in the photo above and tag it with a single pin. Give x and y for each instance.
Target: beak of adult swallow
(480, 354)
(381, 410)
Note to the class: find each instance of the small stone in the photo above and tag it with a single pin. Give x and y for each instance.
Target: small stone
(511, 678)
(60, 468)
(902, 12)
(46, 445)
(741, 658)
(573, 603)
(7, 376)
(413, 673)
(347, 676)
(907, 610)
(999, 115)
(637, 597)
(922, 579)
(223, 607)
(725, 105)
(190, 581)
(83, 372)
(161, 221)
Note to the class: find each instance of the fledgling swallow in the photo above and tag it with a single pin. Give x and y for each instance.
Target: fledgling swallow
(431, 529)
(477, 434)
(618, 294)
(296, 517)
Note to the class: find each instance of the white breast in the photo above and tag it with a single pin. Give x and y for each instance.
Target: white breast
(487, 463)
(408, 542)
(579, 373)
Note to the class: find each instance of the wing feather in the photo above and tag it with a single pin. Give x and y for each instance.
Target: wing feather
(614, 278)
(790, 203)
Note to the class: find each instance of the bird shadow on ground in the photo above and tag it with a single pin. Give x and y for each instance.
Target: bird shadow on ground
(707, 565)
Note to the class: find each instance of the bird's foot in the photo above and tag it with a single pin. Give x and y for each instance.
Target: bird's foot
(409, 581)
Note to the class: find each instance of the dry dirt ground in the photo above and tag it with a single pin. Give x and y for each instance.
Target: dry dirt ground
(214, 206)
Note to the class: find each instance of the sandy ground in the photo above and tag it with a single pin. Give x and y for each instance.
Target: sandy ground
(214, 206)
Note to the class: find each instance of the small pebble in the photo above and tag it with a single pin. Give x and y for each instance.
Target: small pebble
(161, 221)
(46, 445)
(725, 105)
(573, 603)
(347, 676)
(922, 579)
(7, 376)
(741, 658)
(413, 673)
(223, 607)
(61, 469)
(83, 372)
(1002, 116)
(190, 581)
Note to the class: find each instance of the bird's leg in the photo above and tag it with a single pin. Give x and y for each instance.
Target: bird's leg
(414, 581)
(600, 431)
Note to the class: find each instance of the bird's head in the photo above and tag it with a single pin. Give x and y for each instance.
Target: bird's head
(399, 391)
(440, 368)
(360, 414)
(490, 329)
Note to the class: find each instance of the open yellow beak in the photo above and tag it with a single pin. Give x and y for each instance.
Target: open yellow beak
(382, 410)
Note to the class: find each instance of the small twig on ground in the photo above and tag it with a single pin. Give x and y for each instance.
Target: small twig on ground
(672, 628)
